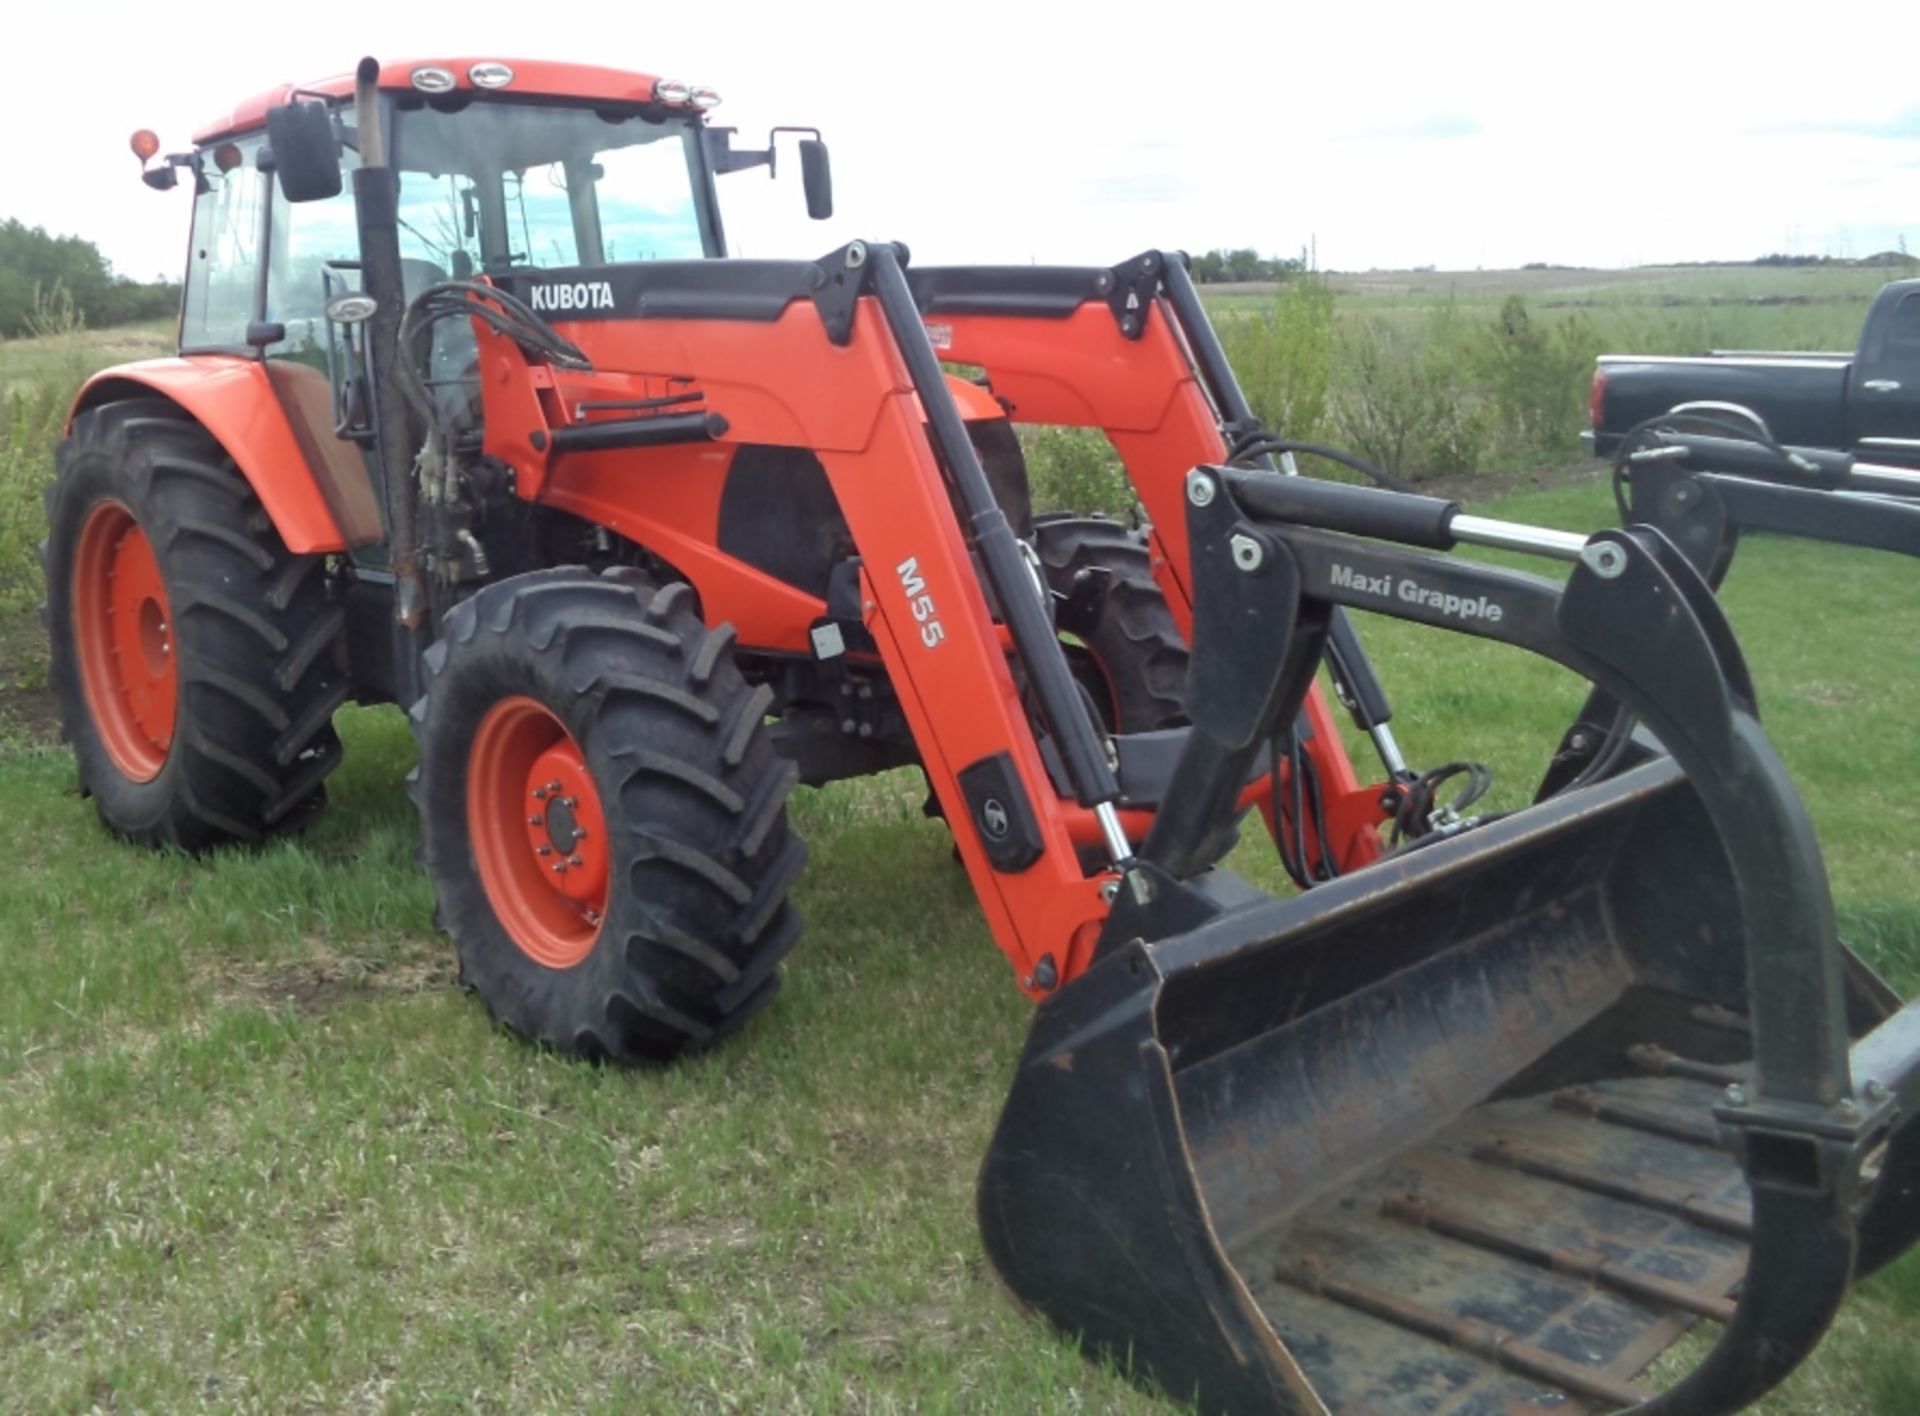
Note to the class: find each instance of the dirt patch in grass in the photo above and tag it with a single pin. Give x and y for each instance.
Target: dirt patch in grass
(1829, 695)
(318, 985)
(675, 1244)
(28, 712)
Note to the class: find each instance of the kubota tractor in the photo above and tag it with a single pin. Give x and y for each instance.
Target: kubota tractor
(472, 416)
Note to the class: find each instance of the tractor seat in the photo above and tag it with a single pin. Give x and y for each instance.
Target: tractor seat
(416, 275)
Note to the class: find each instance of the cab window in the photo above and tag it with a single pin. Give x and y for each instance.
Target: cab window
(307, 238)
(225, 253)
(1901, 342)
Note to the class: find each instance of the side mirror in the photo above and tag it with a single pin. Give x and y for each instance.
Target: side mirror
(304, 151)
(816, 175)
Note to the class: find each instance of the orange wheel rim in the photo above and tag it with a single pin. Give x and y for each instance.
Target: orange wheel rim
(124, 639)
(539, 834)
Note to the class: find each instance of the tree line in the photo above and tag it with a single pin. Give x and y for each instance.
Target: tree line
(1218, 266)
(60, 281)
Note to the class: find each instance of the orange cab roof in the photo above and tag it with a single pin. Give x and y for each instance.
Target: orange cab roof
(544, 77)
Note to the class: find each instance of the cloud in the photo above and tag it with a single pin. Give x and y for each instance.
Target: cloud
(1436, 127)
(1901, 126)
(1148, 188)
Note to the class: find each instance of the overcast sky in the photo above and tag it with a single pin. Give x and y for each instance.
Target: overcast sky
(1385, 135)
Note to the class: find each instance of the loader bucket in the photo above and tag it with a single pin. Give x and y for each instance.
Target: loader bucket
(1439, 1136)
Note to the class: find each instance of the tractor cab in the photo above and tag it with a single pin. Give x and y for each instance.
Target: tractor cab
(501, 170)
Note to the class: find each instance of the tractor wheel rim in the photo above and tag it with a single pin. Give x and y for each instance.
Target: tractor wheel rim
(124, 641)
(538, 831)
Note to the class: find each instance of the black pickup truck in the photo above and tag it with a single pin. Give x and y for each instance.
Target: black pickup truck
(1866, 403)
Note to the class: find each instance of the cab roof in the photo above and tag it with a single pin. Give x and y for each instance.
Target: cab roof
(539, 77)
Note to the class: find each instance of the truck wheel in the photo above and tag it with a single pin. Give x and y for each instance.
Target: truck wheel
(193, 654)
(1129, 656)
(603, 815)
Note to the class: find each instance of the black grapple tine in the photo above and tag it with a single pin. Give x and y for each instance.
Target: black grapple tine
(1703, 513)
(1491, 1124)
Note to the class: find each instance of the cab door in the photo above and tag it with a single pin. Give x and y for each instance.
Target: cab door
(312, 251)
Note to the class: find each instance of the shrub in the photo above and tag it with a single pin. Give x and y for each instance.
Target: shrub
(1075, 469)
(1535, 374)
(1284, 356)
(1398, 402)
(54, 312)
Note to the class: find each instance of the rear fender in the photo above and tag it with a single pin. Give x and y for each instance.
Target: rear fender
(231, 398)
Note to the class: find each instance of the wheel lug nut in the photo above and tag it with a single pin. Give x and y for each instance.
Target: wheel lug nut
(560, 868)
(553, 786)
(575, 860)
(568, 802)
(579, 833)
(536, 820)
(539, 793)
(546, 850)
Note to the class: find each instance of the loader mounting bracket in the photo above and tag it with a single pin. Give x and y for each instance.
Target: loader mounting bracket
(1152, 904)
(839, 279)
(1131, 288)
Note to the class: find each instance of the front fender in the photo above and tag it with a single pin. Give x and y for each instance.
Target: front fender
(232, 399)
(976, 403)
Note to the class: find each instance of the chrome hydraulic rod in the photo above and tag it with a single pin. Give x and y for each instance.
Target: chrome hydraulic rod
(1119, 849)
(1516, 536)
(1388, 747)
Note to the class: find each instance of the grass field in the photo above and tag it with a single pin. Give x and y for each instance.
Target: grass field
(1808, 307)
(257, 1152)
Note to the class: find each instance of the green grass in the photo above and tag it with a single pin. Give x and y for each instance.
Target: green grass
(258, 1151)
(60, 358)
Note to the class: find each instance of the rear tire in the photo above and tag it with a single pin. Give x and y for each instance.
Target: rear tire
(1130, 658)
(666, 928)
(193, 655)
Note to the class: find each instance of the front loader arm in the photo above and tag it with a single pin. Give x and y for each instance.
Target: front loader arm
(838, 357)
(1128, 350)
(808, 355)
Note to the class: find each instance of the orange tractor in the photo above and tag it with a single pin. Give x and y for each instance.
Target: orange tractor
(471, 415)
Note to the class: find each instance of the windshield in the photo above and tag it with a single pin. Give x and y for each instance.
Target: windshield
(495, 186)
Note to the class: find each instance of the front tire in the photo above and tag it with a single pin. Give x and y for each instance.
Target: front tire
(603, 815)
(193, 655)
(1127, 652)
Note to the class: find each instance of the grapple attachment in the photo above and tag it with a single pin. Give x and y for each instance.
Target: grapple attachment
(1485, 1127)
